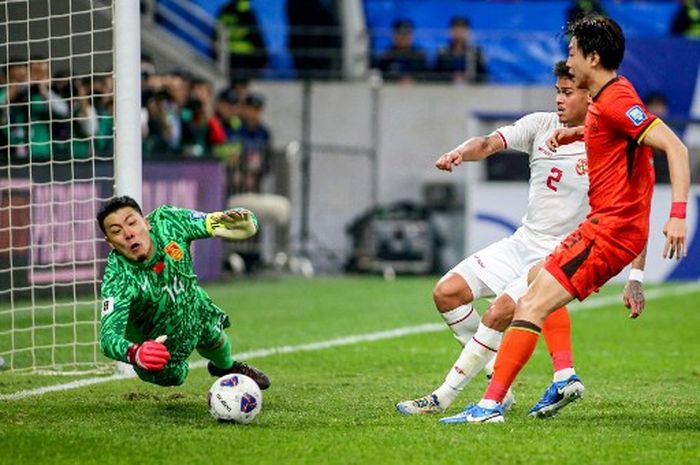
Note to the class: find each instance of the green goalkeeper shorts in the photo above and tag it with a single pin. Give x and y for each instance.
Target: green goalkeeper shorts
(175, 372)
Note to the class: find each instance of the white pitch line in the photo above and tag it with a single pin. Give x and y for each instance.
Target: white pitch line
(590, 304)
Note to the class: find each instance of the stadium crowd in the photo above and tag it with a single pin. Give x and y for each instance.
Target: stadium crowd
(46, 118)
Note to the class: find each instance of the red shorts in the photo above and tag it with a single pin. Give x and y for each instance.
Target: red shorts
(588, 257)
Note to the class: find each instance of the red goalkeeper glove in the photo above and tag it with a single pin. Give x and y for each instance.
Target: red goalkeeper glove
(152, 355)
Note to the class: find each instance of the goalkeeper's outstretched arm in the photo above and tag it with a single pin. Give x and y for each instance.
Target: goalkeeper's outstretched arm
(233, 224)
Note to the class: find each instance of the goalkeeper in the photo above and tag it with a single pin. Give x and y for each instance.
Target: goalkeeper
(154, 313)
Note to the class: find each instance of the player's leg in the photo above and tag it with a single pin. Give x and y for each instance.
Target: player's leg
(484, 273)
(544, 295)
(221, 362)
(479, 350)
(215, 346)
(453, 296)
(174, 374)
(566, 386)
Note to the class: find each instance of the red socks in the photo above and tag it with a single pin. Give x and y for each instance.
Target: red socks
(516, 349)
(557, 334)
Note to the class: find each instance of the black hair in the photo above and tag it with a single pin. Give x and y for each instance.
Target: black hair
(117, 203)
(600, 34)
(560, 70)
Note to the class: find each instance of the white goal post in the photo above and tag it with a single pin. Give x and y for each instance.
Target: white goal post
(69, 97)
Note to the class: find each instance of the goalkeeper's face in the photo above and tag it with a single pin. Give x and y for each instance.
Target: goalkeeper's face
(127, 233)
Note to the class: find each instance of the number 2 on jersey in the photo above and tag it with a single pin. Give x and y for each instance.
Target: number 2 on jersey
(554, 177)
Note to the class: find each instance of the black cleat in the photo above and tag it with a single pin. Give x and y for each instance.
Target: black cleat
(241, 368)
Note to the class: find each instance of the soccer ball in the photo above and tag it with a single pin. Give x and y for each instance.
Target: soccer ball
(235, 398)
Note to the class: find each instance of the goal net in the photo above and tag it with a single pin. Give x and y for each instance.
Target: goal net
(56, 168)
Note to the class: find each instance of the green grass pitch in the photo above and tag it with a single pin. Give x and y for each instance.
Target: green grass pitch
(336, 405)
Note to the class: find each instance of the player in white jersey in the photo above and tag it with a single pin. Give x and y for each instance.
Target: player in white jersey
(558, 202)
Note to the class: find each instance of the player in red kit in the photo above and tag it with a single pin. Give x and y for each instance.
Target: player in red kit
(619, 134)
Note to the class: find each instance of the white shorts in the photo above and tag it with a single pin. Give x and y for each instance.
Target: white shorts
(502, 267)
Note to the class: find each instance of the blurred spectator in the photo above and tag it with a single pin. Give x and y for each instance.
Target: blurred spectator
(14, 97)
(72, 137)
(255, 137)
(402, 61)
(657, 104)
(197, 116)
(162, 124)
(245, 45)
(314, 39)
(686, 20)
(250, 179)
(103, 94)
(583, 8)
(460, 60)
(44, 107)
(225, 134)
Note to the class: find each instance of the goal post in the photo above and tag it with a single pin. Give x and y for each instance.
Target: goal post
(65, 106)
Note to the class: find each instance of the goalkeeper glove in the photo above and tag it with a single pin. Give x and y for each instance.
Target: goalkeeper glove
(152, 355)
(234, 224)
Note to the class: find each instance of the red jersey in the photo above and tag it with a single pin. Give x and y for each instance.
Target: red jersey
(620, 170)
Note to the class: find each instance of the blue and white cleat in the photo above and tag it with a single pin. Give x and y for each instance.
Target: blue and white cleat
(557, 396)
(421, 406)
(476, 414)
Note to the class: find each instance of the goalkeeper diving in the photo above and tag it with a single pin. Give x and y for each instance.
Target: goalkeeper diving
(154, 313)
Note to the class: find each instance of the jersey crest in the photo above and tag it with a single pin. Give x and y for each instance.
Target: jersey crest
(636, 115)
(582, 166)
(174, 251)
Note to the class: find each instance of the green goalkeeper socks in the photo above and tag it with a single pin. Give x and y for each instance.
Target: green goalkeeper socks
(220, 353)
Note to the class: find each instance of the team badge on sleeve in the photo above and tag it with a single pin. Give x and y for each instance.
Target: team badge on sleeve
(107, 306)
(636, 115)
(197, 215)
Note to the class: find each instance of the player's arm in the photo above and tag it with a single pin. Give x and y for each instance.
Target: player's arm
(472, 149)
(233, 224)
(660, 137)
(117, 293)
(564, 136)
(633, 295)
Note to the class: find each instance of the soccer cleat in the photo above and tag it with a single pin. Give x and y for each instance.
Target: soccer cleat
(476, 414)
(241, 368)
(421, 406)
(557, 396)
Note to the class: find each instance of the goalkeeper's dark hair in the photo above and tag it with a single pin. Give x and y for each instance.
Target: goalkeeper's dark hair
(599, 34)
(117, 203)
(560, 70)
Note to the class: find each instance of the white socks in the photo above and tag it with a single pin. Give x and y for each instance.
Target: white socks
(478, 351)
(563, 374)
(463, 321)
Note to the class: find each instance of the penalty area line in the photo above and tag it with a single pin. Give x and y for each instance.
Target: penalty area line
(589, 304)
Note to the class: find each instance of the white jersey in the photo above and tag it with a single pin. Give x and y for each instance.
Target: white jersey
(558, 194)
(557, 203)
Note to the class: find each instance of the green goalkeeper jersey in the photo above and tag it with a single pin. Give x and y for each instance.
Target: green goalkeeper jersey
(160, 296)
